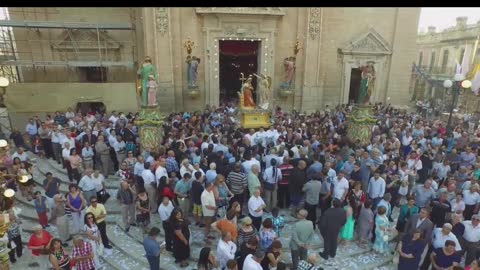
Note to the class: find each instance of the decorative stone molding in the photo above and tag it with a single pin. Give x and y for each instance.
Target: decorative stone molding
(161, 19)
(368, 43)
(240, 30)
(314, 23)
(274, 11)
(81, 39)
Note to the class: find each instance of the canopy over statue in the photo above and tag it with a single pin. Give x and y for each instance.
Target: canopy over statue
(143, 73)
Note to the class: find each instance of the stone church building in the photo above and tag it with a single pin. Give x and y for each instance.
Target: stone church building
(85, 55)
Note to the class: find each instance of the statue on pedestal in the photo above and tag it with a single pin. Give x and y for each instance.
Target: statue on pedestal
(289, 65)
(265, 91)
(367, 83)
(192, 72)
(143, 74)
(246, 92)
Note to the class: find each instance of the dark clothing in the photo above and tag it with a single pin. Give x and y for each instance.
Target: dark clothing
(411, 247)
(298, 178)
(17, 139)
(181, 252)
(266, 261)
(102, 227)
(312, 213)
(439, 212)
(356, 176)
(426, 227)
(168, 235)
(330, 224)
(92, 139)
(52, 187)
(458, 229)
(443, 260)
(196, 192)
(242, 254)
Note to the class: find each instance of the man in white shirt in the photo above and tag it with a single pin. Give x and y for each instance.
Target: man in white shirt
(252, 261)
(376, 189)
(471, 199)
(161, 170)
(208, 208)
(150, 184)
(56, 146)
(87, 185)
(255, 209)
(340, 187)
(225, 250)
(247, 164)
(119, 147)
(67, 139)
(165, 209)
(440, 235)
(113, 118)
(472, 238)
(21, 154)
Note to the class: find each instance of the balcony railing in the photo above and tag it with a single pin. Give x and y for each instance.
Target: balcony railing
(435, 70)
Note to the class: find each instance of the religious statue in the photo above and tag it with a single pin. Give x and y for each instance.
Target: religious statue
(296, 48)
(265, 92)
(152, 91)
(367, 83)
(289, 65)
(143, 74)
(246, 92)
(192, 62)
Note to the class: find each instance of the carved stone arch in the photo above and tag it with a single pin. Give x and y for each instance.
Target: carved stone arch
(370, 42)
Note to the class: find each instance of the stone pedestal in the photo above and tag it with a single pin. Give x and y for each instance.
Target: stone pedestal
(150, 123)
(360, 123)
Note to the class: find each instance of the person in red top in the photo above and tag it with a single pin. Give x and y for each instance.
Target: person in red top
(164, 190)
(283, 194)
(39, 244)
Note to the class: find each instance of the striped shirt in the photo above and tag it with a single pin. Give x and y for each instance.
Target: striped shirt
(237, 182)
(286, 170)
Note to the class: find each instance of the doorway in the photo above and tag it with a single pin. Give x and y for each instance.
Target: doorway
(236, 57)
(91, 107)
(355, 80)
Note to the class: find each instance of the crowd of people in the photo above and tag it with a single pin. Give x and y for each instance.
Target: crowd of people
(233, 183)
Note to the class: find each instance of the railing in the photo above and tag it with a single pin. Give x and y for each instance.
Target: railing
(435, 70)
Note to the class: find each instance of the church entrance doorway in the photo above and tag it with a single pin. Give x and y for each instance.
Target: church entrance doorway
(355, 81)
(236, 57)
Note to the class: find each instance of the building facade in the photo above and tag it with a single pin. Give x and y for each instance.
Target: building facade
(93, 54)
(437, 58)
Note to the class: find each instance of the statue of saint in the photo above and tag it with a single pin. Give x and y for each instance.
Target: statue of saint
(152, 91)
(265, 84)
(246, 93)
(192, 70)
(367, 84)
(289, 65)
(143, 74)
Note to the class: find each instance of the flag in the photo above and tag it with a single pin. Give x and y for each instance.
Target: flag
(474, 51)
(458, 68)
(466, 59)
(475, 79)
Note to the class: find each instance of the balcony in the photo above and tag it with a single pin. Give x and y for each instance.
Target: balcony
(437, 72)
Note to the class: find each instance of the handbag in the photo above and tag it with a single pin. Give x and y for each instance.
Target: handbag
(104, 195)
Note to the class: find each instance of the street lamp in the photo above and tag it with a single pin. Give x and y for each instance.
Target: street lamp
(457, 86)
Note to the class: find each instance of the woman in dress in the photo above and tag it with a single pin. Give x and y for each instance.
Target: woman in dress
(207, 260)
(93, 236)
(143, 210)
(58, 257)
(267, 234)
(406, 211)
(346, 233)
(181, 245)
(76, 203)
(247, 91)
(381, 232)
(247, 231)
(359, 196)
(410, 251)
(130, 160)
(446, 257)
(222, 195)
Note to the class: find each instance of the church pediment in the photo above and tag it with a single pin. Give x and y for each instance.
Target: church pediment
(275, 11)
(81, 39)
(368, 43)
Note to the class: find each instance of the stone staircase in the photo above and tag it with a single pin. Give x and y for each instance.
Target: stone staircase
(128, 252)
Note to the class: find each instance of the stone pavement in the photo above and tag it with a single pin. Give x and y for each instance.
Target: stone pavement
(128, 252)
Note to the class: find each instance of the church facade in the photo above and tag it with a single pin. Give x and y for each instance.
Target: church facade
(312, 56)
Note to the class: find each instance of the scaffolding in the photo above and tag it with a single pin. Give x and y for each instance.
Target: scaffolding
(28, 53)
